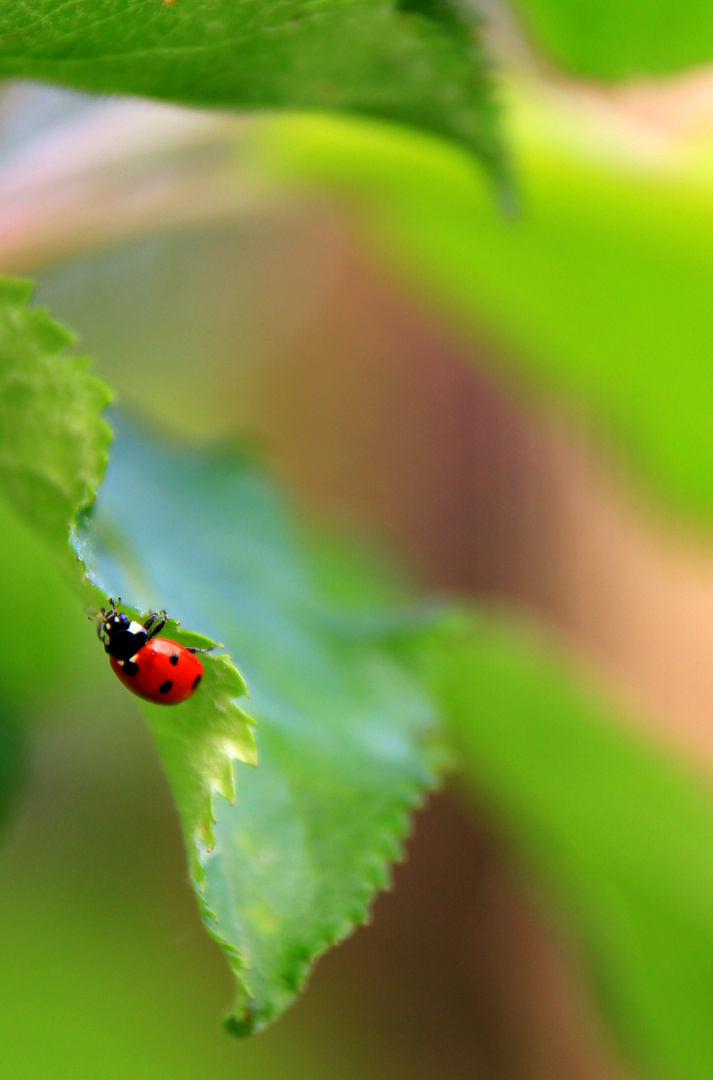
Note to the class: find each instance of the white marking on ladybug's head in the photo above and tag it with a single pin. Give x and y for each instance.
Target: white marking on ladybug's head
(133, 659)
(120, 663)
(135, 628)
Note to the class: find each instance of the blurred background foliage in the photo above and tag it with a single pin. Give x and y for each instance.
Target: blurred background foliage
(611, 40)
(467, 386)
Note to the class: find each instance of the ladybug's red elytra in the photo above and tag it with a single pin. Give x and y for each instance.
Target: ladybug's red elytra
(152, 667)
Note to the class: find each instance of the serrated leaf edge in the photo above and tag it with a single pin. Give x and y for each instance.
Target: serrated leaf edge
(374, 868)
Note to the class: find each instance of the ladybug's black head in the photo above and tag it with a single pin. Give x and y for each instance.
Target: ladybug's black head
(121, 637)
(115, 621)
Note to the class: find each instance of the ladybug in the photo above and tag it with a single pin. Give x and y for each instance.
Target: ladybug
(152, 667)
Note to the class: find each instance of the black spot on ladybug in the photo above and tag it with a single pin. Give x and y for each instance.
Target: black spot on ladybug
(165, 687)
(130, 668)
(196, 681)
(173, 658)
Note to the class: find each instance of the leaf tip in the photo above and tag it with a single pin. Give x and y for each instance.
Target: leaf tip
(240, 1027)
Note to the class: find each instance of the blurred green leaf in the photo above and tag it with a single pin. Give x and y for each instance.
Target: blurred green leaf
(618, 39)
(35, 675)
(344, 733)
(596, 298)
(414, 61)
(53, 448)
(619, 832)
(53, 442)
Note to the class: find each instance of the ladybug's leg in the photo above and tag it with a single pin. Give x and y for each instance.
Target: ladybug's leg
(154, 627)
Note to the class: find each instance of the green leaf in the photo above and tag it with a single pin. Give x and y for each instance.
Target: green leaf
(416, 62)
(344, 732)
(346, 741)
(53, 442)
(618, 39)
(596, 299)
(53, 448)
(617, 830)
(53, 452)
